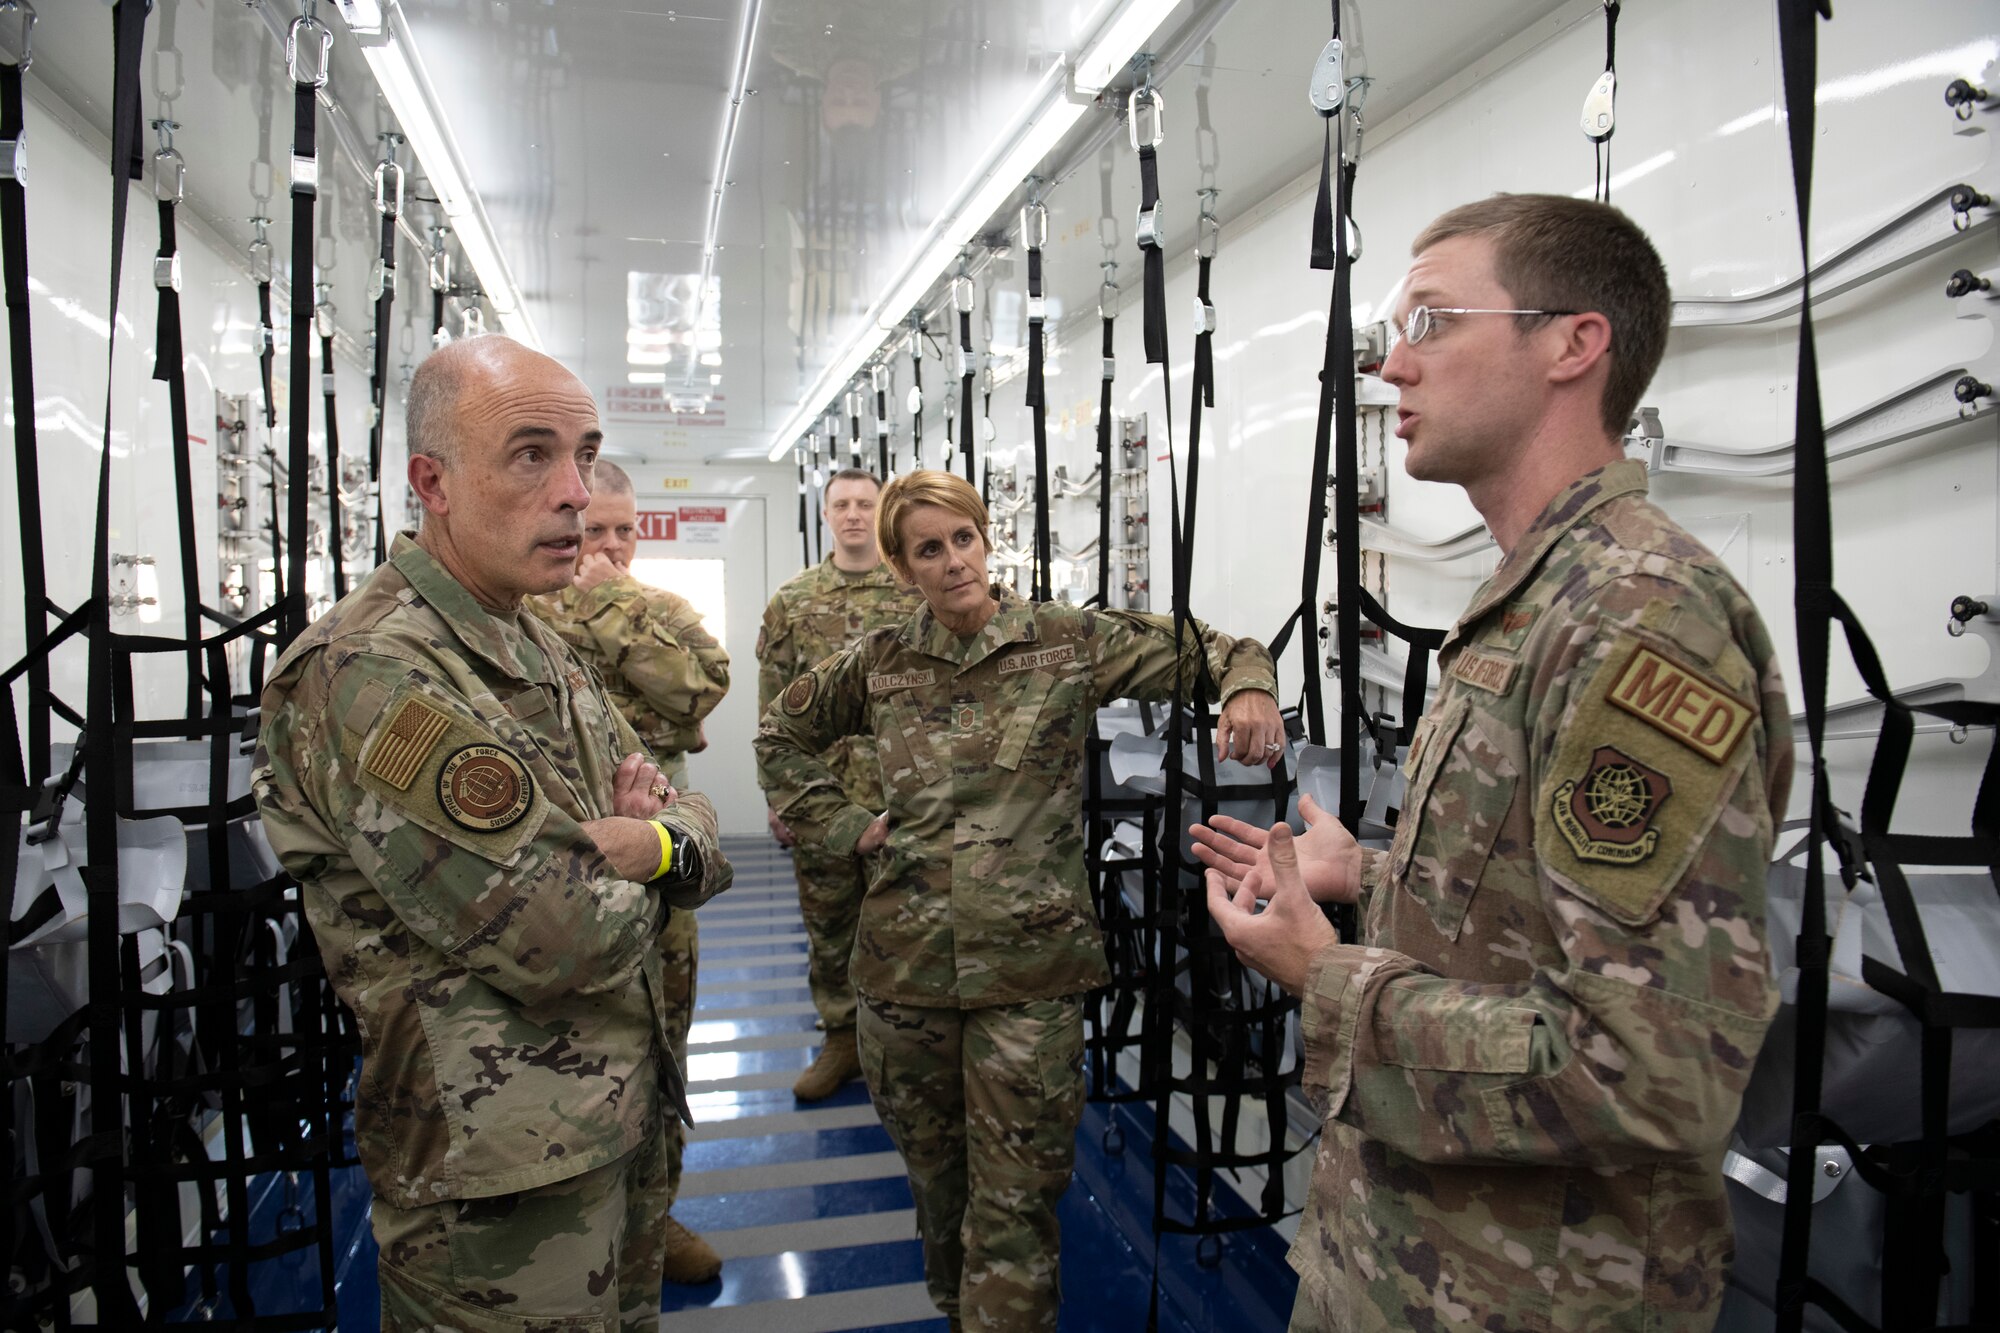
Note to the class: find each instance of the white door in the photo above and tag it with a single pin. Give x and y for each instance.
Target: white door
(710, 550)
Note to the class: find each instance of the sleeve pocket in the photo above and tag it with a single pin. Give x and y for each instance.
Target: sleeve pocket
(1479, 1041)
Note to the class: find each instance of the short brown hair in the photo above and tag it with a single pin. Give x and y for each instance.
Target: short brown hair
(927, 486)
(854, 474)
(610, 479)
(1552, 252)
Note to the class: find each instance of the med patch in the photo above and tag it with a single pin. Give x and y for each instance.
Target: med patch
(1640, 772)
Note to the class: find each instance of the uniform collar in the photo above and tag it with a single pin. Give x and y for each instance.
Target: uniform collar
(1571, 505)
(1014, 622)
(882, 574)
(501, 641)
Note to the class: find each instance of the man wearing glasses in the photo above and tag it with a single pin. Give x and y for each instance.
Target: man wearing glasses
(1532, 1059)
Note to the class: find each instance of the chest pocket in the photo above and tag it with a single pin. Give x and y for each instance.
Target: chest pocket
(1461, 789)
(908, 762)
(1021, 723)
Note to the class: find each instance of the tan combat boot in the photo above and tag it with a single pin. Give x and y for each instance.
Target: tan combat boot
(690, 1259)
(836, 1063)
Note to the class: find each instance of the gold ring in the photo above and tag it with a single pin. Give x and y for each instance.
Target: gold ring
(660, 790)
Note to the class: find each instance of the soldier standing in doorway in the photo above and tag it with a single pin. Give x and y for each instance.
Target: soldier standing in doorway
(664, 673)
(813, 615)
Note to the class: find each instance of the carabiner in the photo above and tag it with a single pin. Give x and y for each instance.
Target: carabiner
(1143, 116)
(307, 22)
(1034, 225)
(27, 13)
(388, 201)
(165, 158)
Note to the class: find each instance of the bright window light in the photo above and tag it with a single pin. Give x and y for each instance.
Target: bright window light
(700, 581)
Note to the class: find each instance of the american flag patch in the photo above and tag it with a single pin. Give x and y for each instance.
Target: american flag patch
(411, 736)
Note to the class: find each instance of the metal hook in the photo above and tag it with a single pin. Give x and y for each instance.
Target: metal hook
(387, 201)
(260, 251)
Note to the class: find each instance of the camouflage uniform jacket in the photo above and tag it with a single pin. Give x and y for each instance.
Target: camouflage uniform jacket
(424, 770)
(663, 671)
(813, 615)
(1532, 1063)
(979, 897)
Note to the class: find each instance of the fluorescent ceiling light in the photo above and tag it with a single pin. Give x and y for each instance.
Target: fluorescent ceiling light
(399, 71)
(1126, 32)
(1046, 116)
(645, 377)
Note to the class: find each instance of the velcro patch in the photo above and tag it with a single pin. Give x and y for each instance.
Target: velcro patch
(1492, 672)
(1032, 658)
(1607, 814)
(407, 742)
(484, 788)
(1681, 703)
(799, 694)
(899, 680)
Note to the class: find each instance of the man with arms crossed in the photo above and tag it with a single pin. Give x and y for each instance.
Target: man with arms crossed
(813, 615)
(486, 855)
(1531, 1062)
(664, 673)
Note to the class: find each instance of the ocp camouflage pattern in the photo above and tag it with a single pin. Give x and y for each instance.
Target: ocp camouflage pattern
(661, 667)
(813, 615)
(979, 896)
(505, 981)
(1531, 1068)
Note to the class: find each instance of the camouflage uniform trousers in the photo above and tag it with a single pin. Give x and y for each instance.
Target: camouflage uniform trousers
(583, 1255)
(680, 958)
(830, 892)
(983, 1104)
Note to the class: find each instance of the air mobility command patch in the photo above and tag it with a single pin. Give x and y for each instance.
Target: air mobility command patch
(1608, 814)
(800, 693)
(484, 788)
(1648, 755)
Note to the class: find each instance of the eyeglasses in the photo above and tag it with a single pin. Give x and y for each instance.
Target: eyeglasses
(1421, 322)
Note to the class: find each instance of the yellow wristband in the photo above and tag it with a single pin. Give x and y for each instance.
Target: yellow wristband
(666, 849)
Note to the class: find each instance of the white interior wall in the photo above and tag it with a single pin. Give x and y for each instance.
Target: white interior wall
(1701, 161)
(69, 238)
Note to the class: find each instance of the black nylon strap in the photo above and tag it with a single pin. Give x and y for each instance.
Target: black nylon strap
(298, 493)
(378, 383)
(267, 358)
(336, 531)
(169, 368)
(1104, 475)
(917, 378)
(805, 529)
(965, 432)
(27, 460)
(1155, 318)
(854, 435)
(1038, 408)
(1324, 253)
(881, 433)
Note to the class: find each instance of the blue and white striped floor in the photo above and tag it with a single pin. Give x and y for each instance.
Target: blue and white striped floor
(808, 1204)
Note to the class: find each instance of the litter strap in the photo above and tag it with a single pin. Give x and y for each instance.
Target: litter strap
(1038, 415)
(298, 493)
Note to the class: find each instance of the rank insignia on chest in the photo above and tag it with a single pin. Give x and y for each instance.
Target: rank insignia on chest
(1607, 815)
(799, 694)
(484, 788)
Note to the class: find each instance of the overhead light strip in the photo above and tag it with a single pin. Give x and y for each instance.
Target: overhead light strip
(1046, 116)
(391, 52)
(739, 89)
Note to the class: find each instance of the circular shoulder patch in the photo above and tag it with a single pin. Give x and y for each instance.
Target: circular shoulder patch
(799, 695)
(484, 788)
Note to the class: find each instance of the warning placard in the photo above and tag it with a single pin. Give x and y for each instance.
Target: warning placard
(704, 514)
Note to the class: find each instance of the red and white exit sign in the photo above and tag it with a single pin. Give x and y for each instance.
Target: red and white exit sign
(700, 523)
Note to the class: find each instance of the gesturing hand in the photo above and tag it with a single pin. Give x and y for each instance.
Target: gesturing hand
(1329, 857)
(1281, 940)
(593, 569)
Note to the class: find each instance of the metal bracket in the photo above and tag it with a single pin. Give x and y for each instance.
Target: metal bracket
(1328, 86)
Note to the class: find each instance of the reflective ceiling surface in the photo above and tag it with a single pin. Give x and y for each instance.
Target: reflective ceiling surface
(591, 128)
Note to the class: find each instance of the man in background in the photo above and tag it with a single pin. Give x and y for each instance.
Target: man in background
(664, 673)
(813, 615)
